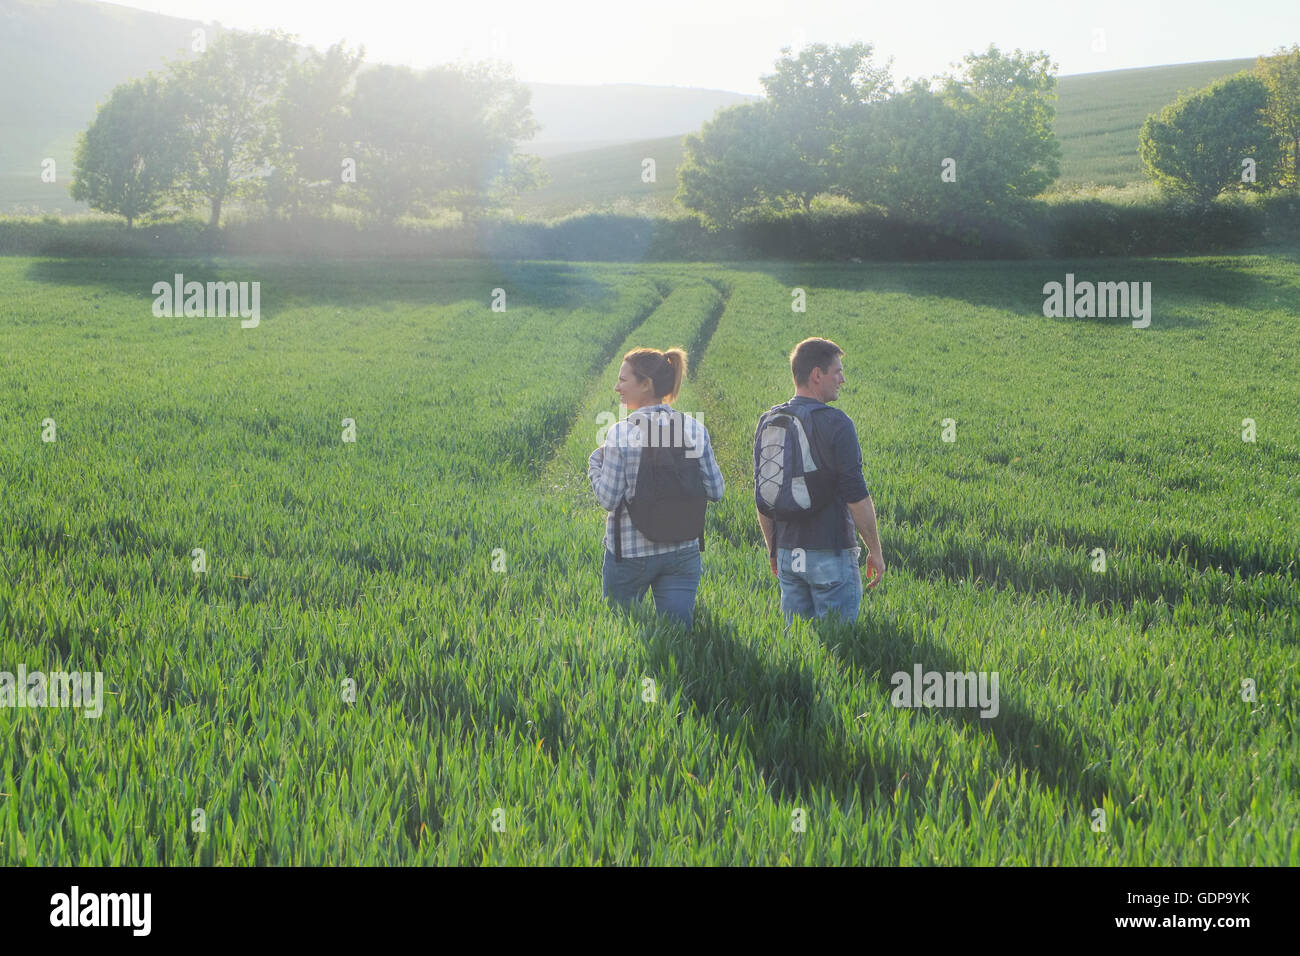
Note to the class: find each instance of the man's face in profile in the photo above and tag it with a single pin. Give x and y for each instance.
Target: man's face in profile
(828, 382)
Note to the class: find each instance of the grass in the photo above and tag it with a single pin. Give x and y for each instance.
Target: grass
(514, 697)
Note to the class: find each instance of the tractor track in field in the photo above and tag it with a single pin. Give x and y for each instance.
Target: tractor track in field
(698, 344)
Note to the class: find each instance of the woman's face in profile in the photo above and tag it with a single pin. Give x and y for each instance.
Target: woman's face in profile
(631, 392)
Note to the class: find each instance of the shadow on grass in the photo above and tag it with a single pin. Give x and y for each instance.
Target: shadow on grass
(797, 739)
(1168, 569)
(345, 284)
(1017, 286)
(875, 646)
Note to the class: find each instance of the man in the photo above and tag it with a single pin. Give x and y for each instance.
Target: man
(816, 559)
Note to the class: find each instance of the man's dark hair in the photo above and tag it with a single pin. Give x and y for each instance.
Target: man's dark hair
(810, 354)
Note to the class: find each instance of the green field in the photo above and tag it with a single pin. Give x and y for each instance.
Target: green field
(517, 690)
(1098, 116)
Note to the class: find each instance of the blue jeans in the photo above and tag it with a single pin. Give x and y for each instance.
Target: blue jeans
(674, 577)
(829, 581)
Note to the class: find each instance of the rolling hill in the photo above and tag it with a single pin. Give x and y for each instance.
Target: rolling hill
(60, 58)
(1097, 121)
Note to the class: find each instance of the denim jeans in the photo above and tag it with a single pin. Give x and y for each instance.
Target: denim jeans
(829, 581)
(674, 577)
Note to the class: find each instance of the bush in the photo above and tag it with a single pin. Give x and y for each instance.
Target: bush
(1125, 223)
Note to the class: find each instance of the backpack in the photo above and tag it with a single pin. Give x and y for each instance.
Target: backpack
(670, 498)
(790, 480)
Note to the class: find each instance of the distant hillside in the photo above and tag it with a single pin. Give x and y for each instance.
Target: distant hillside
(608, 178)
(1097, 121)
(572, 117)
(60, 58)
(1098, 115)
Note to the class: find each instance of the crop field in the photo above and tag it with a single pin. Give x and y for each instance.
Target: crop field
(1099, 115)
(394, 649)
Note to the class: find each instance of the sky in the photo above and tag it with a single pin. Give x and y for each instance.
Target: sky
(729, 44)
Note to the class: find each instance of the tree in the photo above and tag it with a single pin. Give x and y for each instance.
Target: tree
(443, 137)
(1008, 99)
(131, 155)
(738, 165)
(231, 92)
(396, 145)
(1196, 146)
(309, 132)
(974, 149)
(1281, 76)
(897, 158)
(779, 154)
(817, 97)
(483, 113)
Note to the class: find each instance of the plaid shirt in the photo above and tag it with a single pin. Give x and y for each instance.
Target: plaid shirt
(612, 469)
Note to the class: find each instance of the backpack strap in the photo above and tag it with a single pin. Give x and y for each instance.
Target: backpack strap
(618, 530)
(622, 504)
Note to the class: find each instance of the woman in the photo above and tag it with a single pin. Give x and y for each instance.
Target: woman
(648, 383)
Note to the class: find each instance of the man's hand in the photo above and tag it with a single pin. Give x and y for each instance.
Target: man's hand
(864, 519)
(875, 569)
(772, 561)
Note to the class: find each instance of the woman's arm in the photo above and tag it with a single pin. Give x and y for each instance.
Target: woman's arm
(606, 469)
(713, 483)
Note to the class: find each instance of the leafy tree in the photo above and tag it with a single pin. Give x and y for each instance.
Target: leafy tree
(898, 157)
(778, 154)
(231, 94)
(1195, 146)
(817, 98)
(131, 155)
(443, 137)
(309, 133)
(962, 150)
(485, 114)
(1008, 98)
(740, 164)
(830, 125)
(1281, 75)
(395, 150)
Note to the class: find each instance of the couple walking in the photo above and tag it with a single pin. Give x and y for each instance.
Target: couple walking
(656, 470)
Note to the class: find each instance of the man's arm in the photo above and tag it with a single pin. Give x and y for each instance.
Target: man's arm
(857, 498)
(864, 519)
